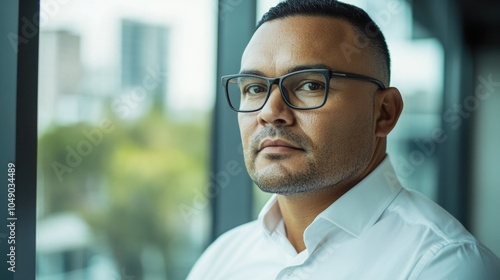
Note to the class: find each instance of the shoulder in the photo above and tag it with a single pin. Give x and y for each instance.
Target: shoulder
(458, 260)
(229, 246)
(448, 250)
(420, 213)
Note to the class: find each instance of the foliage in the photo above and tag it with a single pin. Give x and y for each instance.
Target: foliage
(131, 184)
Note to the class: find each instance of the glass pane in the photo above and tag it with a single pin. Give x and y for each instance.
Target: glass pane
(123, 137)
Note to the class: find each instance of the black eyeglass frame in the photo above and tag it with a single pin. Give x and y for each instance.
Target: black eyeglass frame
(327, 73)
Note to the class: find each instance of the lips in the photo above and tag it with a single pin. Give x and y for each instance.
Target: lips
(277, 145)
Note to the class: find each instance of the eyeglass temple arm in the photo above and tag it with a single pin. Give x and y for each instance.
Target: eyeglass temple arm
(358, 77)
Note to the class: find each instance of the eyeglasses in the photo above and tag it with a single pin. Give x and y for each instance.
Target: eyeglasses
(302, 90)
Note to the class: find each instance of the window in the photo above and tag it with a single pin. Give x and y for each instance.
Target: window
(126, 90)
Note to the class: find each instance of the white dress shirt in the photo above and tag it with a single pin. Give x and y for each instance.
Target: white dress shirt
(377, 230)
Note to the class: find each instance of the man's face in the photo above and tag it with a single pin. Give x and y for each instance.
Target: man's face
(291, 151)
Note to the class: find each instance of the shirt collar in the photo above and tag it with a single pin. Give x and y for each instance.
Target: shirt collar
(270, 215)
(355, 211)
(360, 207)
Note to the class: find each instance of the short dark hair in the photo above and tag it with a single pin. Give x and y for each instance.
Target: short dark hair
(358, 18)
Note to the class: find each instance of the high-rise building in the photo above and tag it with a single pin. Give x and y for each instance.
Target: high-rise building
(144, 60)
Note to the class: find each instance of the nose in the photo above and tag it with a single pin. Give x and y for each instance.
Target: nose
(276, 112)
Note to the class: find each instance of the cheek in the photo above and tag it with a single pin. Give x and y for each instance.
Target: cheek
(340, 129)
(351, 110)
(247, 127)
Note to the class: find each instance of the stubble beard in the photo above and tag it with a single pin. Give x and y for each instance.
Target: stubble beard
(311, 179)
(281, 181)
(316, 174)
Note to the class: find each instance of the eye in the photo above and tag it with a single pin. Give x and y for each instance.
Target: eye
(311, 86)
(254, 89)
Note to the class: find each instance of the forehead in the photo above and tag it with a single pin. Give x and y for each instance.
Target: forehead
(286, 43)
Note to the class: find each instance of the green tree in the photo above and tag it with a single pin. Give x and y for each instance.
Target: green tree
(131, 184)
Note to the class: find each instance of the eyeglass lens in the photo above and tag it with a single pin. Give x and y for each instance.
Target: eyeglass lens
(301, 90)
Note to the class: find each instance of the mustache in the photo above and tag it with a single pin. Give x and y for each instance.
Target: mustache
(278, 132)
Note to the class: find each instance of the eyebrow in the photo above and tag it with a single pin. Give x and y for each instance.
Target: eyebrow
(289, 70)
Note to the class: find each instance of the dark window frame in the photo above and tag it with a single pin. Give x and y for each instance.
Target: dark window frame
(19, 69)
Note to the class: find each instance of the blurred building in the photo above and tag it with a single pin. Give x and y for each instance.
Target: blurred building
(60, 74)
(63, 83)
(144, 61)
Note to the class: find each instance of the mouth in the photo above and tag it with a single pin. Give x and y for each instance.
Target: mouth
(277, 146)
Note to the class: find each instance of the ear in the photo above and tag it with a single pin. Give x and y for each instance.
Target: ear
(388, 106)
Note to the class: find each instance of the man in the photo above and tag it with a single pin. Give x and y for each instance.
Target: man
(314, 113)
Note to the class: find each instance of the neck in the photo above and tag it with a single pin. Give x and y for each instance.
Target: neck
(300, 210)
